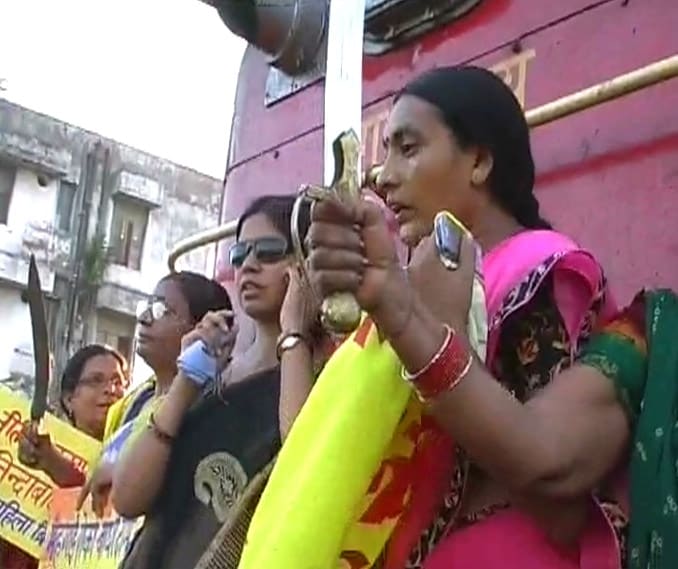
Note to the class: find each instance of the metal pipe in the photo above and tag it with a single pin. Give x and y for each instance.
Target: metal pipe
(201, 239)
(620, 86)
(603, 92)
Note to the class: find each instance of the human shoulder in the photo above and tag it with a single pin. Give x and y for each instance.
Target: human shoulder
(119, 412)
(629, 323)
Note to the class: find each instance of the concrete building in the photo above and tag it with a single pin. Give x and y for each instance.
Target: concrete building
(100, 217)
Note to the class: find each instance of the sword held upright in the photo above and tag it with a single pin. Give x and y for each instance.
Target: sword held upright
(40, 342)
(343, 127)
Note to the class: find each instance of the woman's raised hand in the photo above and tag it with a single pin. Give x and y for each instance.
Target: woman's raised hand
(446, 294)
(218, 331)
(352, 250)
(299, 311)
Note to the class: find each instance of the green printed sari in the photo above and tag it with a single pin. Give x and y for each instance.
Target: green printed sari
(639, 352)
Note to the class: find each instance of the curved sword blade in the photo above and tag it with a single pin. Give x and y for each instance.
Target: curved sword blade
(40, 341)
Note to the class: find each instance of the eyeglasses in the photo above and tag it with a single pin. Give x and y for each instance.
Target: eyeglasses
(156, 308)
(116, 384)
(266, 250)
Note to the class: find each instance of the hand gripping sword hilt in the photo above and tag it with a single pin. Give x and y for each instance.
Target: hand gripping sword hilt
(340, 313)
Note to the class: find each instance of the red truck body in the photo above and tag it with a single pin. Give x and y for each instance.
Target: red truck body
(608, 176)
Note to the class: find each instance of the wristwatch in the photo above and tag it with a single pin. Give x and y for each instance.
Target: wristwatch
(288, 341)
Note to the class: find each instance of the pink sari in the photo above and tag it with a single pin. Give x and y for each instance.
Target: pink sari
(514, 270)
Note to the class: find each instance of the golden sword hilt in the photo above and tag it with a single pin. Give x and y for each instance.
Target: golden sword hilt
(340, 313)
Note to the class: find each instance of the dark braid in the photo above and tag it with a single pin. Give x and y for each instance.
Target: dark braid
(481, 110)
(526, 212)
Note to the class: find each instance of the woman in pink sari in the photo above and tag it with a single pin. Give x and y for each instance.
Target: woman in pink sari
(522, 481)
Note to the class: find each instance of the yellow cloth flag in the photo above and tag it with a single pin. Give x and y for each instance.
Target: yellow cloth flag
(322, 474)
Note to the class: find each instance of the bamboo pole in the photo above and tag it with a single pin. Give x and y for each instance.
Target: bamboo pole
(609, 90)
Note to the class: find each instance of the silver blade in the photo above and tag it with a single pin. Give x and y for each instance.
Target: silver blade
(343, 114)
(40, 341)
(344, 76)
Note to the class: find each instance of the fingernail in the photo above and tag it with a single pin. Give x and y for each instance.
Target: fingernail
(366, 263)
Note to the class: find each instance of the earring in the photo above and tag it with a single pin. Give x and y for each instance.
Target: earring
(476, 178)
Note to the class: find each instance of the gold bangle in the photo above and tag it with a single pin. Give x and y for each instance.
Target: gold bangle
(163, 436)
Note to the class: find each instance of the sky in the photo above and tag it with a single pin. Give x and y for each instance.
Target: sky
(159, 75)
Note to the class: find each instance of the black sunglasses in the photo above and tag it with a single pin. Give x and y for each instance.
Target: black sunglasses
(265, 249)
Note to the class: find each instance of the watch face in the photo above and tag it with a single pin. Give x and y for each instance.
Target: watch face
(289, 342)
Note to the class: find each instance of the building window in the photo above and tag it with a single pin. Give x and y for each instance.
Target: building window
(116, 331)
(65, 202)
(128, 232)
(7, 177)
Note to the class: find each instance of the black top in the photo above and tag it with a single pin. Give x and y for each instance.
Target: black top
(225, 440)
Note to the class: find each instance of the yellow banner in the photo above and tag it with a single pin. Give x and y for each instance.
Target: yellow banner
(81, 540)
(26, 494)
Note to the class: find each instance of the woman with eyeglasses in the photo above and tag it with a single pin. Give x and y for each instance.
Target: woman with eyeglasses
(93, 380)
(219, 426)
(179, 301)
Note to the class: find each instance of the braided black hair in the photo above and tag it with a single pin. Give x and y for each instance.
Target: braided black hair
(481, 110)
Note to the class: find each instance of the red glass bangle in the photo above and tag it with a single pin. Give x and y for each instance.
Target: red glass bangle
(447, 368)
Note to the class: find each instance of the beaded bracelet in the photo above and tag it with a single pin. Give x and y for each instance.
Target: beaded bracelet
(444, 372)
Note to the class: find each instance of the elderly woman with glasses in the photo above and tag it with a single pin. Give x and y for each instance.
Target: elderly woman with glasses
(179, 301)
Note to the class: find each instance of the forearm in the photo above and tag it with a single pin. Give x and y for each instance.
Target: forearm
(510, 442)
(536, 448)
(140, 471)
(480, 415)
(296, 382)
(560, 444)
(62, 472)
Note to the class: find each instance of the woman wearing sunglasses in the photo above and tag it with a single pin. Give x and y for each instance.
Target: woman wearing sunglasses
(219, 425)
(179, 301)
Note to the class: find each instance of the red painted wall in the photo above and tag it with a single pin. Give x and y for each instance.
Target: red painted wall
(608, 176)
